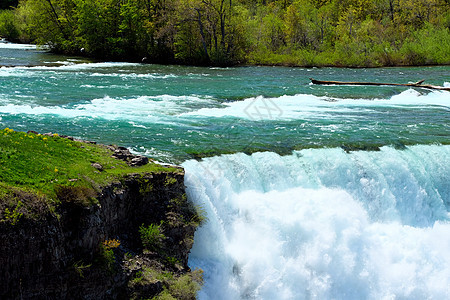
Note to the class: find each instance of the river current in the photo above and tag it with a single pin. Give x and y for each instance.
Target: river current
(311, 192)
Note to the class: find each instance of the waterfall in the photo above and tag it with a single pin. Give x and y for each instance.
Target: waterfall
(324, 224)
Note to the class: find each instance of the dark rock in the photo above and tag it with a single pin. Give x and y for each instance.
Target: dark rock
(139, 161)
(122, 154)
(57, 256)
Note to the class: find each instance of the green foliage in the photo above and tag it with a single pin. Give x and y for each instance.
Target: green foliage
(222, 32)
(145, 186)
(151, 236)
(427, 46)
(8, 25)
(200, 215)
(187, 212)
(107, 257)
(15, 215)
(186, 286)
(16, 204)
(175, 286)
(170, 181)
(79, 267)
(79, 195)
(173, 261)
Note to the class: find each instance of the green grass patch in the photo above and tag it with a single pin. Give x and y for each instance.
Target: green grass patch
(152, 237)
(175, 286)
(57, 169)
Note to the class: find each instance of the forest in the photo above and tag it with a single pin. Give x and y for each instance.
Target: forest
(348, 33)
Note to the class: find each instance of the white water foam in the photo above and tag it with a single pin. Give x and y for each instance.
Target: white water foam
(4, 45)
(83, 66)
(144, 108)
(14, 72)
(324, 224)
(305, 106)
(135, 75)
(63, 66)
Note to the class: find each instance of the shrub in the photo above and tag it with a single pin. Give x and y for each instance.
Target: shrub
(151, 236)
(79, 268)
(429, 45)
(107, 256)
(187, 286)
(8, 28)
(175, 286)
(15, 215)
(79, 195)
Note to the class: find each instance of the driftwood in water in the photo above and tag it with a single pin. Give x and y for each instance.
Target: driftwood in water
(417, 84)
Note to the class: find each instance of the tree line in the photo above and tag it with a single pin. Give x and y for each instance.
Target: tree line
(351, 33)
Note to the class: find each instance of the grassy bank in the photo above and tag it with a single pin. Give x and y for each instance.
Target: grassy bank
(76, 220)
(49, 168)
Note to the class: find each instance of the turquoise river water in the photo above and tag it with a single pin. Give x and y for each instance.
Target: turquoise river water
(294, 211)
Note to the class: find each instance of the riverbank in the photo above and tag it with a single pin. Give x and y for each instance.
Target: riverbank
(81, 220)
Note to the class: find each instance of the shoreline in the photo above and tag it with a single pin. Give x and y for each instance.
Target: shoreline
(239, 65)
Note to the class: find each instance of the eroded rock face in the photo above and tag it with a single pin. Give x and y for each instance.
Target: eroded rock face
(58, 255)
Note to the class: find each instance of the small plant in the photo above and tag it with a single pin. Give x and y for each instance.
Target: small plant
(200, 215)
(110, 244)
(173, 261)
(175, 286)
(14, 215)
(151, 236)
(145, 186)
(139, 277)
(170, 181)
(128, 256)
(79, 268)
(180, 287)
(187, 285)
(107, 257)
(79, 195)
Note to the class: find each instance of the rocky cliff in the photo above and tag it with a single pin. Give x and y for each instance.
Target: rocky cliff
(95, 250)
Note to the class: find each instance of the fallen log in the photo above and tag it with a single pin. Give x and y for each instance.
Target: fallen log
(418, 84)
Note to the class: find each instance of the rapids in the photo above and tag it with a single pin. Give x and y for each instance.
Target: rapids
(294, 212)
(324, 224)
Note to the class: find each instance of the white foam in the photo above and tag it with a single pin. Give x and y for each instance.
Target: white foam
(4, 45)
(144, 108)
(14, 72)
(135, 75)
(82, 66)
(305, 106)
(323, 224)
(26, 71)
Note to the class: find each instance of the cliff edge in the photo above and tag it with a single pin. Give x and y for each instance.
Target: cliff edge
(116, 228)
